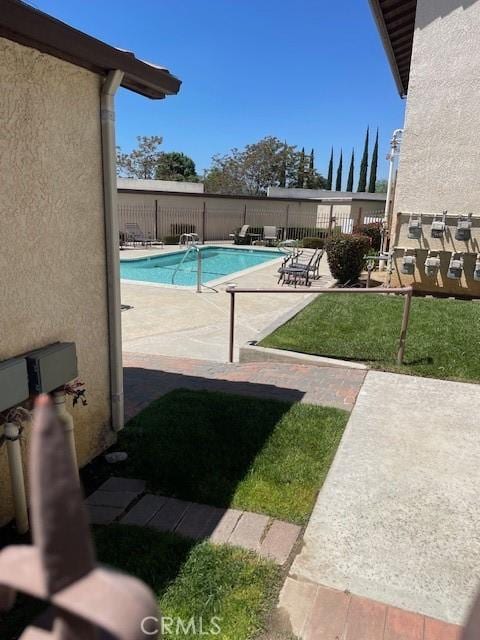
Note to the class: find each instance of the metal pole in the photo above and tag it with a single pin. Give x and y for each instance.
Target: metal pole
(156, 220)
(232, 323)
(199, 271)
(403, 333)
(204, 216)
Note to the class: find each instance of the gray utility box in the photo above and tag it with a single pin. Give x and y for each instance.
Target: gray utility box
(51, 367)
(13, 383)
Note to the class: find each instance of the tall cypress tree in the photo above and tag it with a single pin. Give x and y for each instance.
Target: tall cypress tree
(362, 182)
(373, 168)
(311, 170)
(301, 170)
(330, 172)
(282, 178)
(338, 186)
(351, 172)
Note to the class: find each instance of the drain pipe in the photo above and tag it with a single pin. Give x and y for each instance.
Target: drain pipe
(107, 117)
(14, 452)
(66, 420)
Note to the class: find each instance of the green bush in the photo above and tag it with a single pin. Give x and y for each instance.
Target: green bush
(374, 231)
(313, 243)
(346, 256)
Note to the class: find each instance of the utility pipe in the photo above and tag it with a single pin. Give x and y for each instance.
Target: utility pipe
(66, 420)
(12, 437)
(107, 119)
(394, 151)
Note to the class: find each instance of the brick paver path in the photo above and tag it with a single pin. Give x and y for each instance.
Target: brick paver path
(147, 377)
(314, 612)
(124, 500)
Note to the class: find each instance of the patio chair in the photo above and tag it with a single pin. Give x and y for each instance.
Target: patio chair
(270, 235)
(298, 271)
(293, 269)
(135, 234)
(242, 235)
(313, 267)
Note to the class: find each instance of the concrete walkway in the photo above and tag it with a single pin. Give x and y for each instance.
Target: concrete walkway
(398, 518)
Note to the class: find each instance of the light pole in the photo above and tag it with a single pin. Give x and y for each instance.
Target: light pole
(395, 145)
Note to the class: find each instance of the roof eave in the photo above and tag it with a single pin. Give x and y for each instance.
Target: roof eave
(33, 28)
(378, 16)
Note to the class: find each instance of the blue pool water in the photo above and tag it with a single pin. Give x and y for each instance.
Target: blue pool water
(216, 262)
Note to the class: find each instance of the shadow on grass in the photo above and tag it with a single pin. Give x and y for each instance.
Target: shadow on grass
(203, 441)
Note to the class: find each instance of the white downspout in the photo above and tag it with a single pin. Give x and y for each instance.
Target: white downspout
(107, 117)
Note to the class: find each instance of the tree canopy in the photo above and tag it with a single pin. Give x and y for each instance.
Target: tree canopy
(175, 166)
(268, 162)
(141, 162)
(147, 161)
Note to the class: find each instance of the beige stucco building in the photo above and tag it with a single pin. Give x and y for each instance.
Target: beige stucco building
(57, 283)
(434, 51)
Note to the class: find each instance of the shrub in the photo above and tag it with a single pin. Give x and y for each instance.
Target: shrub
(313, 243)
(374, 231)
(345, 256)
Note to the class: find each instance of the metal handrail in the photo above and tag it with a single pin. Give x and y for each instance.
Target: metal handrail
(405, 291)
(199, 266)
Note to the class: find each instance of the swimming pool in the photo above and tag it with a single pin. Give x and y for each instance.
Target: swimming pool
(178, 269)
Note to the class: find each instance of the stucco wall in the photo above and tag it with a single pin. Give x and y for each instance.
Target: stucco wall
(52, 254)
(440, 156)
(439, 163)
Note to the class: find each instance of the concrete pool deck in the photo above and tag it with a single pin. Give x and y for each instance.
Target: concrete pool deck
(180, 322)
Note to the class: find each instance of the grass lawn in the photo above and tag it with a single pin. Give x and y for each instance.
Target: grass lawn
(442, 342)
(226, 450)
(199, 580)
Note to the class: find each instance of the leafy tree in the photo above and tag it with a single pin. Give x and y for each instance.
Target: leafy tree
(330, 172)
(314, 179)
(141, 162)
(362, 182)
(269, 162)
(282, 178)
(373, 168)
(351, 172)
(381, 186)
(175, 166)
(338, 185)
(301, 170)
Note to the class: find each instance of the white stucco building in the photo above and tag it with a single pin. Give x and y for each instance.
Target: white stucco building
(434, 50)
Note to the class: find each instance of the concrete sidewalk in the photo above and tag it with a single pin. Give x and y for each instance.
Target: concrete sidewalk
(398, 518)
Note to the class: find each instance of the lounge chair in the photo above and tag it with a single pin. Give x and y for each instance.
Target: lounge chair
(135, 234)
(270, 235)
(293, 269)
(242, 234)
(312, 266)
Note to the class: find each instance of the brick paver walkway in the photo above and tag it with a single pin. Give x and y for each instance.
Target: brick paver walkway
(314, 612)
(124, 500)
(147, 377)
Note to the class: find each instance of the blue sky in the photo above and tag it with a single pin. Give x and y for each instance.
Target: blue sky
(311, 72)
